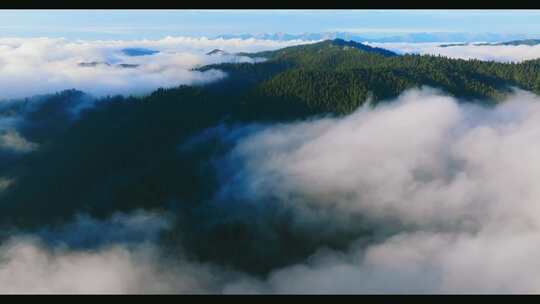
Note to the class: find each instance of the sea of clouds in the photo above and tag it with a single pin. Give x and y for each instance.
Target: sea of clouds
(31, 66)
(448, 190)
(499, 53)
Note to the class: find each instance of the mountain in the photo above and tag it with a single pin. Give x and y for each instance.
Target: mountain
(453, 44)
(101, 63)
(159, 152)
(521, 42)
(367, 37)
(92, 64)
(529, 42)
(217, 52)
(337, 76)
(286, 36)
(327, 48)
(127, 65)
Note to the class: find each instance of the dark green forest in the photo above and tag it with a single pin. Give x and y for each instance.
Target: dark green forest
(159, 152)
(338, 76)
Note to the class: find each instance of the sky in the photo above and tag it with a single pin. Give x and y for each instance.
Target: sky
(155, 24)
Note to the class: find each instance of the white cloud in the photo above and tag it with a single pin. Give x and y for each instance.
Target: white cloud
(5, 183)
(12, 141)
(419, 262)
(451, 185)
(500, 53)
(30, 66)
(28, 266)
(53, 261)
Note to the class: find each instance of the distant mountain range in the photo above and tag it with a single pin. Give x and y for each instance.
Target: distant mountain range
(98, 63)
(407, 37)
(522, 42)
(529, 42)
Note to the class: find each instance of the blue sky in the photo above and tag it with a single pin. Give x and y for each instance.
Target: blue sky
(152, 24)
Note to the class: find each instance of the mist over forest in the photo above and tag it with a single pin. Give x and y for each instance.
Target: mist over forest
(246, 165)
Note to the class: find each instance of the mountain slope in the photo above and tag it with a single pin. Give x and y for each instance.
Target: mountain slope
(529, 42)
(324, 48)
(338, 76)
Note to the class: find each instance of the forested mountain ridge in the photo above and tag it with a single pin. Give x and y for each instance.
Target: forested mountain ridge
(337, 76)
(325, 48)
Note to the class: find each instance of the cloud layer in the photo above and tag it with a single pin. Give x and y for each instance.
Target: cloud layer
(450, 187)
(31, 66)
(500, 53)
(47, 262)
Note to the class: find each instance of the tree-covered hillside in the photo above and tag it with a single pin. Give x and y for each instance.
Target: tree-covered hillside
(336, 76)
